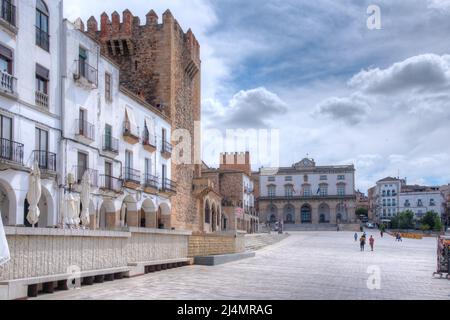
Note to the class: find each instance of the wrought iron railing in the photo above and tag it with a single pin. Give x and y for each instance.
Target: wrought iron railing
(151, 181)
(110, 144)
(42, 39)
(149, 140)
(8, 12)
(41, 99)
(86, 71)
(166, 147)
(79, 173)
(11, 151)
(169, 185)
(45, 159)
(85, 129)
(132, 175)
(7, 82)
(110, 183)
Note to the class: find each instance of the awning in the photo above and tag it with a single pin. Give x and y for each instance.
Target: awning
(130, 117)
(150, 123)
(42, 72)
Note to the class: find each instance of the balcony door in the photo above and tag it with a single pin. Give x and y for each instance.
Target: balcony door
(6, 144)
(83, 56)
(108, 137)
(82, 128)
(128, 165)
(108, 175)
(42, 148)
(82, 165)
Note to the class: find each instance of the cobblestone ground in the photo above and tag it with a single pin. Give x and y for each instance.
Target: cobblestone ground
(313, 265)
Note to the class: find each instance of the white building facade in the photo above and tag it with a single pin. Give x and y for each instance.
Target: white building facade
(30, 112)
(122, 141)
(308, 194)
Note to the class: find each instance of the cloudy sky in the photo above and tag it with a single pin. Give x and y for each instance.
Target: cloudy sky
(320, 80)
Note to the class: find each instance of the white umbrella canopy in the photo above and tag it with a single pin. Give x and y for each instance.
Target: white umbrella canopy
(4, 249)
(34, 194)
(85, 198)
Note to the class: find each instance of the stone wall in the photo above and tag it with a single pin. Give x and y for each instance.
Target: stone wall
(45, 252)
(216, 244)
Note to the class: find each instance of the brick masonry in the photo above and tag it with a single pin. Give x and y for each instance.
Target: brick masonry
(160, 63)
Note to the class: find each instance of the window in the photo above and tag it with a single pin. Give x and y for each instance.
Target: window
(6, 59)
(394, 193)
(41, 140)
(42, 36)
(42, 75)
(108, 137)
(323, 190)
(432, 203)
(389, 193)
(407, 203)
(5, 128)
(108, 93)
(322, 178)
(272, 190)
(83, 58)
(307, 191)
(389, 202)
(341, 177)
(272, 179)
(419, 203)
(384, 193)
(82, 165)
(341, 190)
(289, 191)
(384, 202)
(128, 159)
(288, 178)
(148, 167)
(394, 203)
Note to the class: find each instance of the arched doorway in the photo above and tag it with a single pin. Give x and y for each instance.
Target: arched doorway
(289, 214)
(8, 204)
(207, 212)
(164, 216)
(272, 213)
(341, 213)
(306, 214)
(128, 212)
(45, 206)
(324, 213)
(224, 222)
(106, 216)
(148, 215)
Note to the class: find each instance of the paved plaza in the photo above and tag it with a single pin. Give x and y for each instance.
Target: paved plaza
(310, 265)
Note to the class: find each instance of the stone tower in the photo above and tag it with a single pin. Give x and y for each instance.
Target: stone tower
(161, 63)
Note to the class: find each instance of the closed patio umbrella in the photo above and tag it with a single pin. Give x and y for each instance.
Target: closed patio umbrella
(4, 249)
(85, 198)
(70, 214)
(34, 194)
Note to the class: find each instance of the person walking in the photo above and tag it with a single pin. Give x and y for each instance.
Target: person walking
(356, 237)
(381, 233)
(371, 242)
(362, 242)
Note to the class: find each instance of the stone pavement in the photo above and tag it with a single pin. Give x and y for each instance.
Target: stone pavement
(310, 265)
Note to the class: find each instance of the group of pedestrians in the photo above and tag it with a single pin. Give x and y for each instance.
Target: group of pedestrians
(363, 240)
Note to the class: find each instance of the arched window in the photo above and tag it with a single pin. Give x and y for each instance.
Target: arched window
(306, 214)
(207, 213)
(42, 25)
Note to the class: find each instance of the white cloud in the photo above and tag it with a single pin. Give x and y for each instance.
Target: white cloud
(351, 110)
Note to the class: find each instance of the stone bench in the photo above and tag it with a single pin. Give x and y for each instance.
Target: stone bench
(221, 259)
(28, 287)
(144, 267)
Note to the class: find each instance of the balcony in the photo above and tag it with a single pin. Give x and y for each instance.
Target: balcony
(42, 39)
(132, 178)
(79, 172)
(8, 16)
(110, 145)
(169, 187)
(130, 133)
(8, 85)
(86, 74)
(110, 183)
(45, 159)
(85, 131)
(149, 143)
(151, 184)
(11, 151)
(166, 151)
(41, 99)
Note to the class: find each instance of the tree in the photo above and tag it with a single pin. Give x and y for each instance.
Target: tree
(406, 220)
(362, 212)
(433, 220)
(395, 222)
